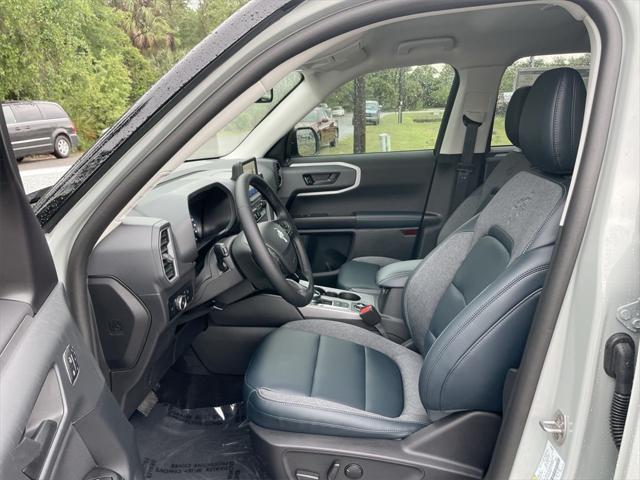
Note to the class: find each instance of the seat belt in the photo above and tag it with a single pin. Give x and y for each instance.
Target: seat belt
(465, 166)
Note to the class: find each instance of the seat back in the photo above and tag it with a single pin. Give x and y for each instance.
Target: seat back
(511, 164)
(470, 303)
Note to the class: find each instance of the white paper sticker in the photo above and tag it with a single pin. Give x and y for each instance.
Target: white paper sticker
(551, 465)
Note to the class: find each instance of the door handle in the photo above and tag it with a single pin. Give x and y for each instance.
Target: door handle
(33, 449)
(320, 178)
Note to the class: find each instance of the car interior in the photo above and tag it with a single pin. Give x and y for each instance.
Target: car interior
(269, 310)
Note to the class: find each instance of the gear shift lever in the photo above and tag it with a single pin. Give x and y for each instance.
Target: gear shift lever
(317, 295)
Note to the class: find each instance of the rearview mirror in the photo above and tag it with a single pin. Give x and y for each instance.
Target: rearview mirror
(307, 141)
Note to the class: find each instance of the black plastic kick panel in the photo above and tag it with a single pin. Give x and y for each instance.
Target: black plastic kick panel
(123, 321)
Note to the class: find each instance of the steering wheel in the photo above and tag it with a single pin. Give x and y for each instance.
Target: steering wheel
(276, 244)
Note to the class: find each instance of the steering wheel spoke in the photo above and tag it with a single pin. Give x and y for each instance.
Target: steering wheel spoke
(288, 227)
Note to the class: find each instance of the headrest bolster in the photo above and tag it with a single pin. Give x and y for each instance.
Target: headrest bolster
(551, 121)
(514, 114)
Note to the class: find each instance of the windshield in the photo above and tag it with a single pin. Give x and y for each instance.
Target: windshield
(232, 135)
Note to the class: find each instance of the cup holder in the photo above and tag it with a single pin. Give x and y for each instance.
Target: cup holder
(321, 291)
(349, 296)
(329, 293)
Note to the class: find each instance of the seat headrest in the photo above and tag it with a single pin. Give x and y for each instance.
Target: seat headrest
(552, 120)
(514, 113)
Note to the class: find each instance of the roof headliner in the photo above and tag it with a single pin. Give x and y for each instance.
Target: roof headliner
(465, 39)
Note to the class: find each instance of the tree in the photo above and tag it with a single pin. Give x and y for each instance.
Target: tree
(143, 21)
(97, 57)
(359, 115)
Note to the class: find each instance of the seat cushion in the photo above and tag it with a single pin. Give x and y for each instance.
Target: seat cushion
(360, 273)
(331, 378)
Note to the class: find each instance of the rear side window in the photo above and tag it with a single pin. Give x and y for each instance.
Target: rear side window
(523, 73)
(51, 110)
(8, 115)
(26, 112)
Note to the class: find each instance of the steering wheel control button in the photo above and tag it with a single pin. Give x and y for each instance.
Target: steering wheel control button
(306, 475)
(71, 364)
(353, 471)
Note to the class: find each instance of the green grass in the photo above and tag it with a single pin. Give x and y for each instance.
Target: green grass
(405, 136)
(418, 131)
(499, 136)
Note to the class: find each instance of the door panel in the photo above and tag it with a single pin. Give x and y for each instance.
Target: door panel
(349, 206)
(40, 390)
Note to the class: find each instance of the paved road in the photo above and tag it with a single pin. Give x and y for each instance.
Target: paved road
(345, 123)
(43, 171)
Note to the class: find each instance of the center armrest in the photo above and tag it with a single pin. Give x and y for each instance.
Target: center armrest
(395, 274)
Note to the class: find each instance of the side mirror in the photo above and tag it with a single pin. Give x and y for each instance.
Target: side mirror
(307, 141)
(266, 98)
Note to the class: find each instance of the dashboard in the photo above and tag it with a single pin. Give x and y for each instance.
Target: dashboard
(167, 258)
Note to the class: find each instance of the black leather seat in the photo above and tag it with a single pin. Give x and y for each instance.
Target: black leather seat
(362, 273)
(469, 305)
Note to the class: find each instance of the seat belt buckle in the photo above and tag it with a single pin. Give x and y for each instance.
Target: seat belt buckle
(370, 315)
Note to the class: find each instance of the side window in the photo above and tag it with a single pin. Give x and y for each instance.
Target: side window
(51, 110)
(26, 112)
(8, 115)
(394, 110)
(523, 73)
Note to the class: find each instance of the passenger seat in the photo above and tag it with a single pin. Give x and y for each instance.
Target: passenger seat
(370, 274)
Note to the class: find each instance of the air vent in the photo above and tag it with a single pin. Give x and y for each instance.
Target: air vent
(167, 254)
(277, 174)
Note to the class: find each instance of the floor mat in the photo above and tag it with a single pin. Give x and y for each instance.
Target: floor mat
(196, 444)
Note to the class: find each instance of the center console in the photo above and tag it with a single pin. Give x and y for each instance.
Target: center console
(344, 306)
(334, 304)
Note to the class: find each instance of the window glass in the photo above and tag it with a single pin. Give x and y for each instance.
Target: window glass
(393, 110)
(51, 110)
(25, 112)
(524, 72)
(8, 115)
(227, 139)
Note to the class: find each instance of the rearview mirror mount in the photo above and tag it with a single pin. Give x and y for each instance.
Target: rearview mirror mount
(267, 97)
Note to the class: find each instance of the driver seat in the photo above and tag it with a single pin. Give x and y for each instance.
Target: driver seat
(468, 305)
